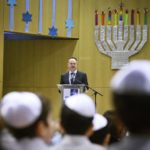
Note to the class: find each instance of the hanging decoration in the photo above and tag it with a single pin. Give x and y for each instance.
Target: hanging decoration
(69, 21)
(27, 17)
(40, 16)
(118, 39)
(53, 30)
(11, 4)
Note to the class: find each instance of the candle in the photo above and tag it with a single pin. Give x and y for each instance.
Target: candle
(116, 17)
(126, 18)
(120, 17)
(138, 17)
(145, 16)
(96, 17)
(132, 17)
(121, 12)
(109, 17)
(103, 18)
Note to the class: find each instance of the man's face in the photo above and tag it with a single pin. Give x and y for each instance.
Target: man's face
(72, 64)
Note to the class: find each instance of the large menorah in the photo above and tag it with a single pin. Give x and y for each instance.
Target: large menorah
(120, 41)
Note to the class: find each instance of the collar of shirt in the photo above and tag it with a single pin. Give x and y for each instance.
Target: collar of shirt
(73, 72)
(70, 76)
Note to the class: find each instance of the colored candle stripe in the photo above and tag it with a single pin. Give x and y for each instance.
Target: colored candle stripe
(132, 17)
(138, 17)
(145, 16)
(109, 17)
(126, 18)
(103, 18)
(116, 17)
(96, 17)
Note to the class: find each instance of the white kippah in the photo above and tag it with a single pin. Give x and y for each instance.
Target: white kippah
(20, 109)
(81, 104)
(133, 78)
(84, 106)
(99, 122)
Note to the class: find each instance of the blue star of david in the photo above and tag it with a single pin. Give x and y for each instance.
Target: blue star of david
(11, 2)
(69, 23)
(27, 17)
(53, 31)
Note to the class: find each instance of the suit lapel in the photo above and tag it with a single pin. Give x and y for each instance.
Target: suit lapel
(67, 77)
(77, 77)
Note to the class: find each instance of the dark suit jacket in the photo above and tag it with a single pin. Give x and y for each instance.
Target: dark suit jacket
(80, 78)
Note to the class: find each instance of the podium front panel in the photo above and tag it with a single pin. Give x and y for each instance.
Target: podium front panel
(68, 90)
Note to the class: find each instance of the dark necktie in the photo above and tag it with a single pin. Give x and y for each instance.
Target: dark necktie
(72, 77)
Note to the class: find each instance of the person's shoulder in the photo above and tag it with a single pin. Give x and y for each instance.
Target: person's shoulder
(80, 72)
(97, 147)
(64, 74)
(56, 147)
(120, 146)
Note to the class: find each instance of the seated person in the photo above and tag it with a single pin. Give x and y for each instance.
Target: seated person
(100, 134)
(76, 120)
(26, 116)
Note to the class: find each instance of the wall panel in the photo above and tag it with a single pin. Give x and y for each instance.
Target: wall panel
(1, 46)
(36, 65)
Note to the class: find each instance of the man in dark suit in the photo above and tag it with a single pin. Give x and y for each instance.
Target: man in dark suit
(73, 76)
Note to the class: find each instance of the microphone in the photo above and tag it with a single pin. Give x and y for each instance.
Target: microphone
(80, 82)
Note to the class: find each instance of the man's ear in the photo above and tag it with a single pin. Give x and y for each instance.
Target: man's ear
(40, 129)
(89, 132)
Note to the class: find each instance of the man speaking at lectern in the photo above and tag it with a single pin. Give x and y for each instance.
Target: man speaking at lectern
(73, 76)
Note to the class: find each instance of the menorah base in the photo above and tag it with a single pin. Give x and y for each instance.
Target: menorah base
(118, 62)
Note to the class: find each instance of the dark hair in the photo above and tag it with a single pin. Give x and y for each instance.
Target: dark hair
(30, 131)
(134, 111)
(112, 126)
(98, 136)
(73, 123)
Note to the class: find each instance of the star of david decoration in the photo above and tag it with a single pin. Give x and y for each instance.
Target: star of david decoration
(11, 2)
(69, 23)
(53, 31)
(27, 17)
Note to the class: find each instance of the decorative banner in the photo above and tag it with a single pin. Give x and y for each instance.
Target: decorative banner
(121, 40)
(11, 4)
(27, 17)
(69, 21)
(40, 15)
(53, 30)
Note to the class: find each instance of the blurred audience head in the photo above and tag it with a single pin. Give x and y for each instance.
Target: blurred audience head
(115, 126)
(100, 132)
(26, 115)
(131, 96)
(77, 115)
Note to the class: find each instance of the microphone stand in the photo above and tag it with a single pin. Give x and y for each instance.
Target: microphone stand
(94, 93)
(88, 87)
